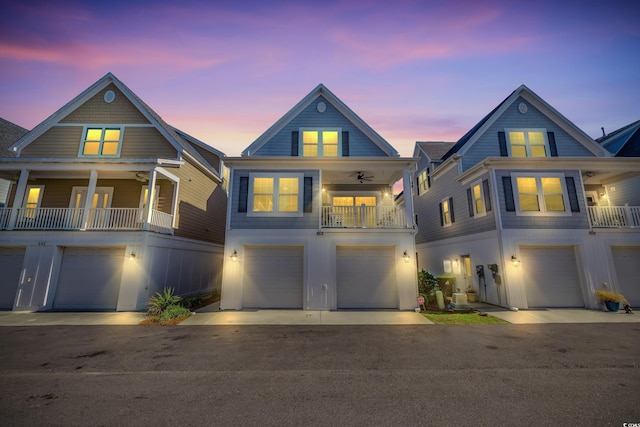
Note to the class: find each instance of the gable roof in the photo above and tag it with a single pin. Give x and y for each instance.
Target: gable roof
(463, 144)
(173, 137)
(9, 134)
(434, 150)
(321, 90)
(623, 142)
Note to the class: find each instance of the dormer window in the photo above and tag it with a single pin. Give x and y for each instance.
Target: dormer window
(101, 142)
(320, 142)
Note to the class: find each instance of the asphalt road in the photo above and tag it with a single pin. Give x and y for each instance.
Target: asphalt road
(482, 375)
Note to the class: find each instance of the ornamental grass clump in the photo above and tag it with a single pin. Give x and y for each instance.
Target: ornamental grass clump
(607, 295)
(165, 309)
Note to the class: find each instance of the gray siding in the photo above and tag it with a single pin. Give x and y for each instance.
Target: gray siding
(577, 220)
(627, 191)
(487, 145)
(427, 208)
(240, 220)
(359, 144)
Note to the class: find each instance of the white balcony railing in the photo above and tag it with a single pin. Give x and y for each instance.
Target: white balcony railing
(363, 217)
(110, 219)
(614, 216)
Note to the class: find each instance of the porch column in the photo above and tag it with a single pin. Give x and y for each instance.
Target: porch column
(18, 199)
(151, 194)
(91, 190)
(408, 197)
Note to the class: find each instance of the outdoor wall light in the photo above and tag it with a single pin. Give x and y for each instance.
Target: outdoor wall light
(234, 256)
(515, 261)
(405, 257)
(132, 256)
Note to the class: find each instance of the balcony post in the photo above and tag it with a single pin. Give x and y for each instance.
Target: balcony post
(91, 190)
(18, 199)
(408, 198)
(151, 194)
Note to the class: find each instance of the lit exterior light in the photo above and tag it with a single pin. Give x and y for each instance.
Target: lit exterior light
(234, 256)
(515, 261)
(132, 256)
(406, 257)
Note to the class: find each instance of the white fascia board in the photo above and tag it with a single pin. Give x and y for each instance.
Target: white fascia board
(342, 163)
(81, 164)
(566, 125)
(622, 164)
(445, 166)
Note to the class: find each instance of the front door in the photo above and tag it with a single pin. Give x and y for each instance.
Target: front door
(99, 205)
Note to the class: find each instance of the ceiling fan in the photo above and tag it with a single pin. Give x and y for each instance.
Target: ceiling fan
(140, 177)
(362, 177)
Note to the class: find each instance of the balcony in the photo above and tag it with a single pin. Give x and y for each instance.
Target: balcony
(614, 216)
(101, 219)
(376, 217)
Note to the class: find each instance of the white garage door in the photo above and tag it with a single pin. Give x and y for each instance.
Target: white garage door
(626, 261)
(551, 277)
(10, 267)
(273, 277)
(89, 279)
(366, 277)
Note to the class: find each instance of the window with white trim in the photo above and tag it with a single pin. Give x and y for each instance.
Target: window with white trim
(101, 142)
(537, 194)
(275, 194)
(477, 197)
(320, 142)
(446, 212)
(423, 181)
(527, 142)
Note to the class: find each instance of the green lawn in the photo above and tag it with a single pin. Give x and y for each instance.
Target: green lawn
(462, 319)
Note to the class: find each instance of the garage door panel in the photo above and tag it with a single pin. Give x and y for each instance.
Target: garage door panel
(11, 260)
(273, 277)
(627, 267)
(366, 277)
(89, 279)
(551, 277)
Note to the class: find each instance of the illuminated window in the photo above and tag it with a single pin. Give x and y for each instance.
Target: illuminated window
(478, 199)
(528, 142)
(320, 142)
(446, 212)
(33, 200)
(272, 194)
(101, 142)
(423, 181)
(540, 194)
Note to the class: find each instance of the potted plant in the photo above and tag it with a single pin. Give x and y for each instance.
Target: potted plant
(611, 299)
(471, 294)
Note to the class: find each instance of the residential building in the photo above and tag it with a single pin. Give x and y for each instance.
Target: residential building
(107, 205)
(520, 210)
(312, 222)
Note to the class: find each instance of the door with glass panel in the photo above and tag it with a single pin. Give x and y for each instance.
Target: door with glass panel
(355, 211)
(98, 215)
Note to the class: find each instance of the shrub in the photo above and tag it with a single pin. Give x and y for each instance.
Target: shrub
(173, 311)
(191, 301)
(161, 301)
(606, 295)
(427, 283)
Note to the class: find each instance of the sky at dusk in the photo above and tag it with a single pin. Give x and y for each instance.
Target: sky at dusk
(224, 71)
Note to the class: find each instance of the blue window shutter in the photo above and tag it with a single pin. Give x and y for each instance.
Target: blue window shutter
(308, 194)
(510, 204)
(441, 216)
(453, 218)
(345, 144)
(295, 136)
(243, 195)
(470, 201)
(573, 194)
(503, 144)
(487, 194)
(553, 148)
